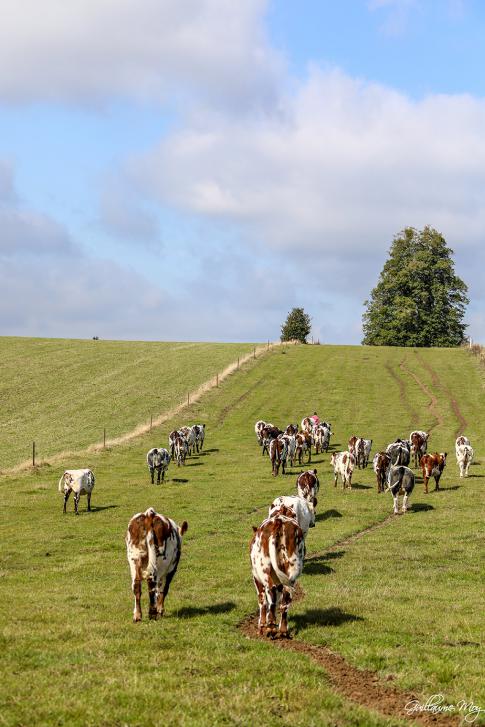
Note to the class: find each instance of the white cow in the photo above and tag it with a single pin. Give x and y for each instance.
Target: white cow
(294, 507)
(343, 464)
(464, 458)
(460, 441)
(81, 482)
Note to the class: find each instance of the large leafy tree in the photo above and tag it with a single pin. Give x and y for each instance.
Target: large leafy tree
(297, 326)
(418, 300)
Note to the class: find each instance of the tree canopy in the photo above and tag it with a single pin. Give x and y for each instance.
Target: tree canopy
(418, 300)
(297, 326)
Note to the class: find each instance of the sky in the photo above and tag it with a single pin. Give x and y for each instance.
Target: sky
(194, 169)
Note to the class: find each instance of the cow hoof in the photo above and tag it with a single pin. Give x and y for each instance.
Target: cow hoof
(136, 619)
(153, 615)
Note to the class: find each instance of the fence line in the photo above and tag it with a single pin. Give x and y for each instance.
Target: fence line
(192, 398)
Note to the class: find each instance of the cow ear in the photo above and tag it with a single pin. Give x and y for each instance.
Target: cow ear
(184, 527)
(255, 529)
(314, 471)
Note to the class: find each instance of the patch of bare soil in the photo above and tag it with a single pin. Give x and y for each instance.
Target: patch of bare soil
(359, 685)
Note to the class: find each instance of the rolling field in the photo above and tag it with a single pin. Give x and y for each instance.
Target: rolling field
(63, 393)
(399, 596)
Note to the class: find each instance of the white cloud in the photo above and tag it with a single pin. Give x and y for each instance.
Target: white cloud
(91, 51)
(345, 168)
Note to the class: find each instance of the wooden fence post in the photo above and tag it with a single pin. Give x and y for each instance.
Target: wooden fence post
(254, 352)
(151, 421)
(33, 454)
(104, 438)
(238, 361)
(217, 380)
(188, 399)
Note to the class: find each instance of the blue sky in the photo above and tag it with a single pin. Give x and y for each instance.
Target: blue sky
(194, 169)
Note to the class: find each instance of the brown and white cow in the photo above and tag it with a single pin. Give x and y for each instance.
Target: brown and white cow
(303, 446)
(360, 448)
(268, 433)
(343, 464)
(81, 482)
(278, 452)
(258, 428)
(277, 550)
(307, 486)
(381, 464)
(419, 445)
(296, 507)
(460, 441)
(153, 548)
(432, 465)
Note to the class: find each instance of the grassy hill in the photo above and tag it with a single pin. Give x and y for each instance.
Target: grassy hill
(404, 600)
(63, 393)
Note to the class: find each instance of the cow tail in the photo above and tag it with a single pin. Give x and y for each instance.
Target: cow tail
(61, 483)
(281, 575)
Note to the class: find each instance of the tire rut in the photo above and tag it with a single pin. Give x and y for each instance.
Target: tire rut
(361, 686)
(453, 402)
(433, 406)
(402, 392)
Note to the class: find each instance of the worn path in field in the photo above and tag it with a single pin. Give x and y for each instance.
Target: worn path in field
(359, 685)
(453, 402)
(193, 397)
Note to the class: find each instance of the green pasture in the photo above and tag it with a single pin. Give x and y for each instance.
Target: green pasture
(63, 393)
(405, 600)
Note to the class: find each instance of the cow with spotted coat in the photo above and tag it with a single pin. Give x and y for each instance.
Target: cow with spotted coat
(343, 464)
(158, 460)
(81, 482)
(277, 551)
(153, 549)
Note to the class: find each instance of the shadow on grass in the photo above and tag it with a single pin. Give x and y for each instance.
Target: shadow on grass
(323, 617)
(357, 486)
(208, 451)
(316, 567)
(420, 507)
(193, 464)
(214, 609)
(453, 487)
(326, 515)
(98, 508)
(179, 479)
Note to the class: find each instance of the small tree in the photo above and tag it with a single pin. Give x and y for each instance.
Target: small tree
(418, 300)
(297, 326)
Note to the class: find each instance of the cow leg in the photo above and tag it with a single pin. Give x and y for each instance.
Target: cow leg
(163, 589)
(262, 605)
(284, 606)
(405, 502)
(66, 498)
(88, 495)
(159, 473)
(163, 475)
(335, 480)
(152, 597)
(271, 595)
(152, 472)
(437, 481)
(396, 503)
(137, 594)
(309, 455)
(425, 479)
(77, 496)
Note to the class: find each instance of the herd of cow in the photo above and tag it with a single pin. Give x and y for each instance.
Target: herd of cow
(277, 549)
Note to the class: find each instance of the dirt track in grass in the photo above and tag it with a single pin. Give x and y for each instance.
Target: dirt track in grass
(359, 685)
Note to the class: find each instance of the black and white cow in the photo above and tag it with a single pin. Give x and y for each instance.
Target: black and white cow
(81, 482)
(158, 460)
(199, 431)
(399, 452)
(401, 479)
